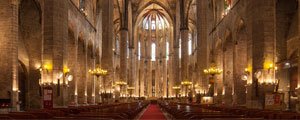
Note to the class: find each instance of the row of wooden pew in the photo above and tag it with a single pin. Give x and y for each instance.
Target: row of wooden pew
(196, 111)
(102, 112)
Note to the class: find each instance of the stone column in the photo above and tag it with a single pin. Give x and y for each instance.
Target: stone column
(202, 43)
(184, 32)
(131, 63)
(55, 32)
(142, 69)
(239, 66)
(298, 90)
(263, 36)
(70, 63)
(176, 63)
(107, 39)
(123, 54)
(149, 64)
(9, 51)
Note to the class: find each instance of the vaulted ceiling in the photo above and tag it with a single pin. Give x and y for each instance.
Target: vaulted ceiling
(142, 7)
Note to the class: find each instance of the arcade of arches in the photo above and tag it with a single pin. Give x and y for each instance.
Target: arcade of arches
(87, 52)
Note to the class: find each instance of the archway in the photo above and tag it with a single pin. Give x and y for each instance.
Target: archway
(22, 83)
(293, 79)
(30, 48)
(153, 38)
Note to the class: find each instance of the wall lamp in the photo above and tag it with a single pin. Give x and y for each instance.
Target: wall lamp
(272, 67)
(45, 67)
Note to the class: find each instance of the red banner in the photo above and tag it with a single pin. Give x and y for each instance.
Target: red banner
(48, 98)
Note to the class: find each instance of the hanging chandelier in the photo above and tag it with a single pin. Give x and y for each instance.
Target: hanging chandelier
(98, 72)
(213, 70)
(186, 83)
(176, 87)
(121, 83)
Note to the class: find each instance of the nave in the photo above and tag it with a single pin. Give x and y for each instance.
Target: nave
(114, 111)
(152, 110)
(149, 59)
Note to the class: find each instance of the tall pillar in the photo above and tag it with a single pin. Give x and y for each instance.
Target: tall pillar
(55, 32)
(263, 36)
(298, 90)
(202, 43)
(107, 39)
(142, 69)
(71, 63)
(9, 52)
(149, 65)
(123, 54)
(184, 32)
(176, 64)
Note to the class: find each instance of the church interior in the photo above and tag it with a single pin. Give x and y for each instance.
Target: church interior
(149, 59)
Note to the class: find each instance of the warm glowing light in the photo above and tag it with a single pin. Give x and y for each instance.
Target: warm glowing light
(98, 72)
(130, 88)
(60, 75)
(121, 83)
(48, 67)
(223, 91)
(269, 65)
(66, 70)
(70, 77)
(244, 77)
(213, 70)
(186, 82)
(176, 88)
(15, 89)
(268, 81)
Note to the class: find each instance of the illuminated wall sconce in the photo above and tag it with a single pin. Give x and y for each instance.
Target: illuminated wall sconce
(247, 71)
(45, 67)
(244, 77)
(246, 74)
(257, 74)
(272, 67)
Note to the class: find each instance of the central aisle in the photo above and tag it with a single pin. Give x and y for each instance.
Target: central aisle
(153, 112)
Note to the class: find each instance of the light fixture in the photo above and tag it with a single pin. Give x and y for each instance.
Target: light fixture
(69, 77)
(244, 77)
(186, 83)
(213, 70)
(257, 74)
(121, 84)
(177, 89)
(60, 75)
(247, 71)
(98, 72)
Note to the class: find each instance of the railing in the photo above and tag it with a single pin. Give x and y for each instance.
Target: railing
(75, 8)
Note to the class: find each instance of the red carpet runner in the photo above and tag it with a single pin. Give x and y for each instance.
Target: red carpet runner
(153, 113)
